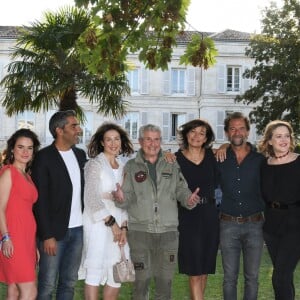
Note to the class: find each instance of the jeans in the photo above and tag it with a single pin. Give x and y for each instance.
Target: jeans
(234, 239)
(61, 269)
(153, 254)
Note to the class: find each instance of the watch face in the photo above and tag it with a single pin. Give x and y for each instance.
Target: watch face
(140, 176)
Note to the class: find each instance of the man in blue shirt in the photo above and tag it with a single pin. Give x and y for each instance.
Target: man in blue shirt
(241, 209)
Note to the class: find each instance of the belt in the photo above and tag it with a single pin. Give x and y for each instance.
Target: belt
(207, 200)
(279, 205)
(254, 218)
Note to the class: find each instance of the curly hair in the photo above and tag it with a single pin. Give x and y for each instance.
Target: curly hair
(11, 142)
(187, 127)
(264, 147)
(95, 146)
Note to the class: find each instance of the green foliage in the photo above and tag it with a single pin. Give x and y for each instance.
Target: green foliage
(46, 70)
(277, 67)
(149, 28)
(200, 52)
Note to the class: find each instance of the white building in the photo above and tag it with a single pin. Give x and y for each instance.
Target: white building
(167, 99)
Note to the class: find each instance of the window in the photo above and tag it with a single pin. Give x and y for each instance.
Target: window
(233, 79)
(177, 81)
(133, 80)
(230, 79)
(87, 128)
(221, 115)
(171, 122)
(26, 120)
(177, 120)
(131, 123)
(138, 81)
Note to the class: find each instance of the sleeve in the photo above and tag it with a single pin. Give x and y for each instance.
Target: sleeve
(127, 188)
(93, 203)
(40, 176)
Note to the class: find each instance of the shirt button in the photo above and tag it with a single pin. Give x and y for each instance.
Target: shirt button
(239, 192)
(240, 203)
(238, 179)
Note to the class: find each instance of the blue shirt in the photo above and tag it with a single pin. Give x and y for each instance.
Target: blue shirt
(240, 184)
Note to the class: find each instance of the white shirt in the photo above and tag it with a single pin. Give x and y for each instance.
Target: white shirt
(74, 173)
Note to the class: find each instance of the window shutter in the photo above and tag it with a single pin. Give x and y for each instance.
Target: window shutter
(166, 126)
(247, 81)
(144, 118)
(220, 125)
(221, 78)
(191, 87)
(167, 82)
(144, 81)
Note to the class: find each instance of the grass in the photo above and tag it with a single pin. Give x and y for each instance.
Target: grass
(214, 285)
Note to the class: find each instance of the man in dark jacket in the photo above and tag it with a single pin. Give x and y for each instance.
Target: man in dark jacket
(58, 174)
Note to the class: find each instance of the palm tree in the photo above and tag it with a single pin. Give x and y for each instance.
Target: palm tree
(46, 71)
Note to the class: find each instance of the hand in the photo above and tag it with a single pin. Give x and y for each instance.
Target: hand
(220, 153)
(169, 157)
(118, 194)
(117, 232)
(50, 246)
(123, 238)
(194, 199)
(7, 248)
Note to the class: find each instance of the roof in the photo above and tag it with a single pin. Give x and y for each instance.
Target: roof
(11, 32)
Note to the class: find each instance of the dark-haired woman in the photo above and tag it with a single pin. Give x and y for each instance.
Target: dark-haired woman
(18, 256)
(199, 227)
(104, 224)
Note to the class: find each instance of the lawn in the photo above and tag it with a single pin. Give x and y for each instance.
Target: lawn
(214, 286)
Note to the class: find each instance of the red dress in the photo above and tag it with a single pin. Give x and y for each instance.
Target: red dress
(22, 229)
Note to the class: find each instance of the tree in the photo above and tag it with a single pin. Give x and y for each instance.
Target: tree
(46, 69)
(149, 28)
(276, 52)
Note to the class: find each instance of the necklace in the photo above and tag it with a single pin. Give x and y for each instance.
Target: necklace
(281, 156)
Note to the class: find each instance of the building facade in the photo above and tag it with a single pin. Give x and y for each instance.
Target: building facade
(165, 98)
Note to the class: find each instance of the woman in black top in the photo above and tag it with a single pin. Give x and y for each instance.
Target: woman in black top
(199, 227)
(280, 178)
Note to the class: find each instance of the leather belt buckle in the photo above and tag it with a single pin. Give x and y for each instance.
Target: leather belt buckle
(275, 204)
(240, 220)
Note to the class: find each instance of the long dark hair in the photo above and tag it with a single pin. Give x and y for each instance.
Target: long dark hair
(11, 142)
(95, 146)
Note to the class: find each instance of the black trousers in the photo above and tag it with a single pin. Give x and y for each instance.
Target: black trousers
(284, 250)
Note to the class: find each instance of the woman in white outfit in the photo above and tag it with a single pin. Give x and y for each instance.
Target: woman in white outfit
(104, 224)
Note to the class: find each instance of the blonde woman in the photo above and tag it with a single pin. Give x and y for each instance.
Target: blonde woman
(280, 181)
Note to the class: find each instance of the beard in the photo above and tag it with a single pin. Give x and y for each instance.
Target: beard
(238, 141)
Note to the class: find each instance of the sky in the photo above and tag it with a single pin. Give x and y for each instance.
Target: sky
(211, 15)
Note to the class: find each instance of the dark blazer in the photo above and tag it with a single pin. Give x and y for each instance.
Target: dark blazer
(53, 207)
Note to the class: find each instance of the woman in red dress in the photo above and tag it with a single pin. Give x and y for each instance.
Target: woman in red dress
(17, 224)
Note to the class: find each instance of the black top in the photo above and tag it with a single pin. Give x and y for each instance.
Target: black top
(282, 183)
(199, 227)
(240, 184)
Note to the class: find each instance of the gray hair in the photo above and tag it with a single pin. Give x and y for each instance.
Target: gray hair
(148, 127)
(59, 120)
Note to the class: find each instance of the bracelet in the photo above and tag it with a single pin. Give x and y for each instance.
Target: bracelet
(110, 222)
(5, 237)
(124, 227)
